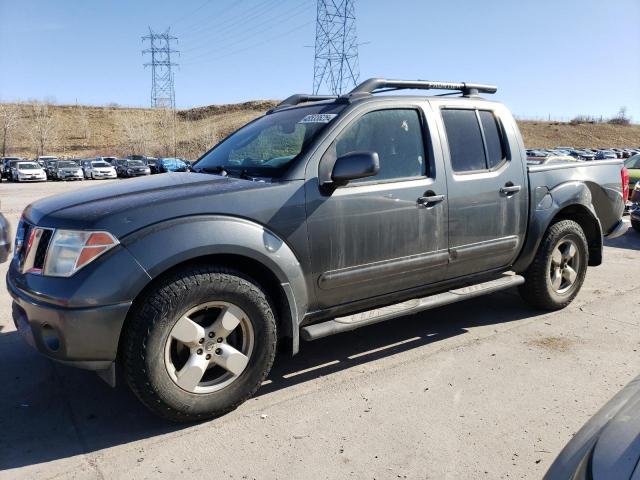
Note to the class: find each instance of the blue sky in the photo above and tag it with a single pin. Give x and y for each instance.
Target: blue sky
(548, 57)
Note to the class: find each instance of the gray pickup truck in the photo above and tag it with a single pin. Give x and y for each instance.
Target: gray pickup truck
(324, 215)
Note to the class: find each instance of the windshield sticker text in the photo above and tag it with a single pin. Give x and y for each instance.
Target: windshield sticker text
(319, 118)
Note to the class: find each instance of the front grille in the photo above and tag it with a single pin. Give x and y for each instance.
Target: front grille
(41, 251)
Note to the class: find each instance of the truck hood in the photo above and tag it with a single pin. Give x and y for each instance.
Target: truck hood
(129, 205)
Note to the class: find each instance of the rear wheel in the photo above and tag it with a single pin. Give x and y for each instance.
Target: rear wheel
(635, 224)
(199, 344)
(557, 272)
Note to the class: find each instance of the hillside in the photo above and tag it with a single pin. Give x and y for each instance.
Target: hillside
(83, 131)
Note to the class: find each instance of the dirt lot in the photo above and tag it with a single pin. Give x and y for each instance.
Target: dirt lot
(483, 389)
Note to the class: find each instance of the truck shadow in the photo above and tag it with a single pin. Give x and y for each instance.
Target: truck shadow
(51, 412)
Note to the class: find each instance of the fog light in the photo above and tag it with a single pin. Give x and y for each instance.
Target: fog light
(50, 337)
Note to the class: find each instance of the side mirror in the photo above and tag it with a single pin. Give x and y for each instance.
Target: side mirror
(355, 165)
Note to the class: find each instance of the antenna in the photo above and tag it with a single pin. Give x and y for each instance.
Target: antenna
(336, 48)
(162, 87)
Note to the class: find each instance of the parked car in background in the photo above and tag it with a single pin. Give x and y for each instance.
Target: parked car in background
(132, 168)
(537, 153)
(607, 447)
(100, 169)
(84, 165)
(50, 169)
(46, 158)
(7, 165)
(582, 154)
(605, 154)
(165, 165)
(109, 160)
(552, 159)
(152, 163)
(5, 239)
(633, 167)
(28, 172)
(67, 170)
(634, 211)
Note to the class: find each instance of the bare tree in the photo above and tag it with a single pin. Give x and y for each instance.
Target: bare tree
(83, 124)
(621, 117)
(9, 116)
(43, 127)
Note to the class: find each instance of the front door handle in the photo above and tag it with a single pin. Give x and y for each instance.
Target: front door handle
(430, 200)
(510, 189)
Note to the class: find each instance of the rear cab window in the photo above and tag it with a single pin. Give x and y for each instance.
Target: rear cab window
(476, 139)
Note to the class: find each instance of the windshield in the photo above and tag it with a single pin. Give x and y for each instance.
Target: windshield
(28, 166)
(135, 163)
(67, 165)
(100, 164)
(268, 145)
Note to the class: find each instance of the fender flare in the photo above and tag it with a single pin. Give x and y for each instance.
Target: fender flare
(545, 206)
(161, 246)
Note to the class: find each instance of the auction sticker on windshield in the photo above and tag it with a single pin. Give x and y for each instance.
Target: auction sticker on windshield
(319, 118)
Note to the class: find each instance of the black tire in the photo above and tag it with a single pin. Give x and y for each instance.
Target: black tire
(635, 224)
(147, 330)
(537, 289)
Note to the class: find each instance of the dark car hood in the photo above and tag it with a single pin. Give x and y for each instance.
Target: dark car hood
(126, 206)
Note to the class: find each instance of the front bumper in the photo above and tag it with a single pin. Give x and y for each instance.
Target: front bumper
(104, 175)
(32, 179)
(82, 337)
(70, 176)
(619, 230)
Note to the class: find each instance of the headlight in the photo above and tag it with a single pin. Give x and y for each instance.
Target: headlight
(71, 250)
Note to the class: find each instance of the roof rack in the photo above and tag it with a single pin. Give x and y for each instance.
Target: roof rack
(370, 86)
(300, 98)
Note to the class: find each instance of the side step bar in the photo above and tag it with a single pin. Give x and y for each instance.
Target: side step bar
(357, 320)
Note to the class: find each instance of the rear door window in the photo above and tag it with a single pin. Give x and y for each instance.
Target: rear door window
(465, 140)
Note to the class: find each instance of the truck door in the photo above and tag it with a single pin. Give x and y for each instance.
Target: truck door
(487, 189)
(378, 234)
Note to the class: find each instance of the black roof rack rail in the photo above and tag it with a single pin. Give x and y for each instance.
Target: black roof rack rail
(370, 86)
(301, 98)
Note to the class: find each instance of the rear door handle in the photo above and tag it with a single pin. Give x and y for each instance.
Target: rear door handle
(430, 200)
(511, 189)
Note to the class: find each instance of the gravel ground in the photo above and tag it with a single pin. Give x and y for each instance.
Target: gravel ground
(483, 389)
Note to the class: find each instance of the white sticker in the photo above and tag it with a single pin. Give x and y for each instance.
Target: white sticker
(319, 118)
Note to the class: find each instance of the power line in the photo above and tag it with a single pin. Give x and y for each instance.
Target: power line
(336, 49)
(248, 33)
(193, 60)
(186, 15)
(162, 86)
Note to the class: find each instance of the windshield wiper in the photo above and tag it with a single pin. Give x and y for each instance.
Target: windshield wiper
(217, 170)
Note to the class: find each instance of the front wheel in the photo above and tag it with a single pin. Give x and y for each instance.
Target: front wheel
(557, 272)
(199, 344)
(635, 224)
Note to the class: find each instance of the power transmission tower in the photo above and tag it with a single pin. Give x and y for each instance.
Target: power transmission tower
(336, 49)
(162, 88)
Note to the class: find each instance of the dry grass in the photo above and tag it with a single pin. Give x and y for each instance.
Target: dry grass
(85, 131)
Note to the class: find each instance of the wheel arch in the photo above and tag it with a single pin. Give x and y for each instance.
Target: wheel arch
(232, 243)
(568, 201)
